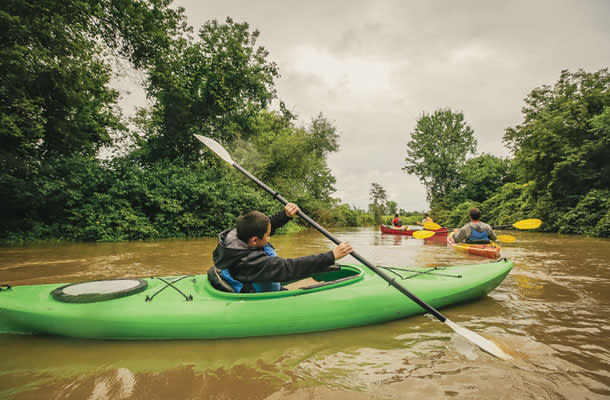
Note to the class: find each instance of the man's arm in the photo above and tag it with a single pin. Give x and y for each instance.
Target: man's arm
(281, 218)
(462, 235)
(278, 269)
(491, 234)
(278, 220)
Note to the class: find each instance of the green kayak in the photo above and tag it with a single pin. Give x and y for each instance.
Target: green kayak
(189, 307)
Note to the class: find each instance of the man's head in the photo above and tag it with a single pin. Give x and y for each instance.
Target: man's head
(475, 214)
(396, 215)
(254, 229)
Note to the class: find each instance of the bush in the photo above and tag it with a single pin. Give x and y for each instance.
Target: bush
(591, 216)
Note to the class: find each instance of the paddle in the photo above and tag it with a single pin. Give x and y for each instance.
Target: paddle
(523, 224)
(428, 234)
(475, 338)
(423, 234)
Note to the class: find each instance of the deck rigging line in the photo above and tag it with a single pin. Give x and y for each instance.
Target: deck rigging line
(171, 284)
(416, 273)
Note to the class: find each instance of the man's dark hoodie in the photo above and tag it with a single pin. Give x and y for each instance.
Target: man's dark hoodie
(249, 265)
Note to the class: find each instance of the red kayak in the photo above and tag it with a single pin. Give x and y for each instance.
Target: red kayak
(408, 230)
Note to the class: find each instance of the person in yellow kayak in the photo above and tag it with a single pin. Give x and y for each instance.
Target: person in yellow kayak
(475, 232)
(245, 261)
(426, 219)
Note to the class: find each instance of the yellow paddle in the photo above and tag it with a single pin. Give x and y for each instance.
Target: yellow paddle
(423, 234)
(428, 234)
(523, 224)
(431, 226)
(526, 224)
(505, 239)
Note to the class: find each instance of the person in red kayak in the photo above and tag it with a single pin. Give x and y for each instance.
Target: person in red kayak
(245, 261)
(397, 222)
(475, 232)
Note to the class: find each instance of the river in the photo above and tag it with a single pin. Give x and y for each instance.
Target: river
(552, 314)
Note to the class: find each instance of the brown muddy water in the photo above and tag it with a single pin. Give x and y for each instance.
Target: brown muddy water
(552, 314)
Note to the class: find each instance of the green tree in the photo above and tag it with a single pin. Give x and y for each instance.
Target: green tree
(392, 207)
(214, 86)
(562, 147)
(438, 149)
(292, 160)
(379, 198)
(481, 177)
(55, 102)
(564, 140)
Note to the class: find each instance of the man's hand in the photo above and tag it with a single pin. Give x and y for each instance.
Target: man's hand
(291, 209)
(342, 250)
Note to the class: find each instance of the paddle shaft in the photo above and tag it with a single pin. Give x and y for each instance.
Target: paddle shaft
(378, 271)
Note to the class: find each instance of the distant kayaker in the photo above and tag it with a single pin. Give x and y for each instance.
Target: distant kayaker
(245, 261)
(475, 231)
(426, 219)
(397, 222)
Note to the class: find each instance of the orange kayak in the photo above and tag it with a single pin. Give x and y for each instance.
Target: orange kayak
(491, 250)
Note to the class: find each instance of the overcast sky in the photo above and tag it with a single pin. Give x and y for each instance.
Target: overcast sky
(373, 67)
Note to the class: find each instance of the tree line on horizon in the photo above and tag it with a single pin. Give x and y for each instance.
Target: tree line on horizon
(559, 170)
(58, 112)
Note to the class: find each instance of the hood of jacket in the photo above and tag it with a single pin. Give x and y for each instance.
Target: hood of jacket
(478, 226)
(230, 249)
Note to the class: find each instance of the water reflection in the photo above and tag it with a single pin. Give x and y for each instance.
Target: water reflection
(551, 314)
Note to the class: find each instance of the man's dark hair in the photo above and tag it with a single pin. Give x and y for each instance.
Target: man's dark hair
(475, 214)
(254, 223)
(396, 214)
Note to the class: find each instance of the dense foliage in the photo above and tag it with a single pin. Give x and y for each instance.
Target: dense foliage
(562, 148)
(57, 111)
(560, 170)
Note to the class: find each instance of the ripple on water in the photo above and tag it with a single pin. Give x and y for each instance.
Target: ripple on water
(551, 314)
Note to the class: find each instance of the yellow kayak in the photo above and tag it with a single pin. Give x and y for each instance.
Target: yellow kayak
(491, 250)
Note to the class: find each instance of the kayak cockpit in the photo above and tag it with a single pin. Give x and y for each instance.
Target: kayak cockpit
(347, 275)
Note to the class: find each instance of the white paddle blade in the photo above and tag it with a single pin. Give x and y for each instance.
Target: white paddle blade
(215, 147)
(485, 344)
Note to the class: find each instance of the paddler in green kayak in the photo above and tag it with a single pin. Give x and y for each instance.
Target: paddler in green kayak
(475, 232)
(245, 261)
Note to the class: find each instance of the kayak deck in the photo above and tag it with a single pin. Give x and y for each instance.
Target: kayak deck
(350, 297)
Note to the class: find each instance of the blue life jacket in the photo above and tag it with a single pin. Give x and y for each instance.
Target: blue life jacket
(259, 287)
(269, 250)
(476, 235)
(236, 285)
